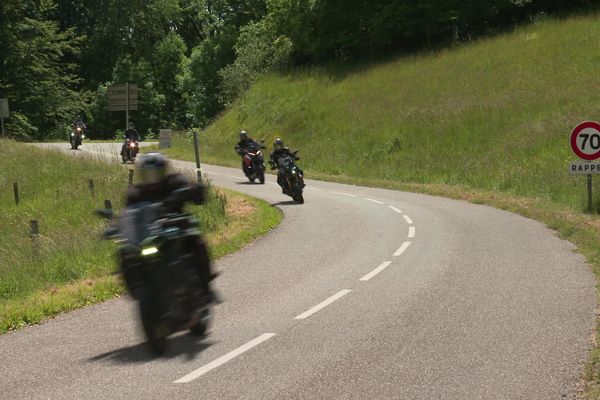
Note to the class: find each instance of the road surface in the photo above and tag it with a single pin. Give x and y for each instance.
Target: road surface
(361, 293)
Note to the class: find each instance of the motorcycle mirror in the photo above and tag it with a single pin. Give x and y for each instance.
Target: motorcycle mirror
(295, 152)
(105, 213)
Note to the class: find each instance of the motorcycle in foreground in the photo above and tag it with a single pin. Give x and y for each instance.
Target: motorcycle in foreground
(130, 151)
(254, 162)
(76, 137)
(159, 270)
(292, 177)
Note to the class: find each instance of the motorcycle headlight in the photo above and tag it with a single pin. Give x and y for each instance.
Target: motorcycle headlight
(294, 172)
(148, 251)
(83, 136)
(72, 134)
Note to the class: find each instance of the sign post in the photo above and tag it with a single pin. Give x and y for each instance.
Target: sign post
(4, 113)
(585, 143)
(123, 98)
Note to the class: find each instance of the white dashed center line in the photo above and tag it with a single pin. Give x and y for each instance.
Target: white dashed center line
(223, 359)
(408, 220)
(402, 249)
(411, 231)
(374, 201)
(376, 271)
(345, 194)
(323, 304)
(395, 209)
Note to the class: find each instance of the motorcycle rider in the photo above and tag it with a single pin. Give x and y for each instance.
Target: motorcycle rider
(130, 134)
(156, 186)
(244, 145)
(279, 150)
(79, 123)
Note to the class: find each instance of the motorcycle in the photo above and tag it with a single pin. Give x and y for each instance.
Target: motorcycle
(158, 269)
(291, 176)
(254, 163)
(76, 137)
(130, 151)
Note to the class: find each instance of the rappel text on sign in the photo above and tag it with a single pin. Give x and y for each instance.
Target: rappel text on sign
(585, 168)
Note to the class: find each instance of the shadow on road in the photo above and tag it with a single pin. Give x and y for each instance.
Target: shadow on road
(287, 203)
(186, 344)
(250, 183)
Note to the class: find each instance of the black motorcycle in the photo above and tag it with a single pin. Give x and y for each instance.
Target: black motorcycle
(130, 150)
(290, 177)
(254, 162)
(159, 270)
(76, 137)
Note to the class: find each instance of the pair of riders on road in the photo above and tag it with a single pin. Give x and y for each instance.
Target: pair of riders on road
(279, 150)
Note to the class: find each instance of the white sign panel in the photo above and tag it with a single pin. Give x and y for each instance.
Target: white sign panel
(164, 140)
(584, 168)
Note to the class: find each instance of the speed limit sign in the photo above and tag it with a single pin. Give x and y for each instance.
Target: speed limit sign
(585, 140)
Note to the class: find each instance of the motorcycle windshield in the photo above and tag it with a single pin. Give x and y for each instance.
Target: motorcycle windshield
(135, 221)
(286, 163)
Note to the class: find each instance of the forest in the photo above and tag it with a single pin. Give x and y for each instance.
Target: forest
(191, 59)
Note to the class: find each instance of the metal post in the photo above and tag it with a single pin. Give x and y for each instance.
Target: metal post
(34, 232)
(91, 187)
(197, 151)
(108, 204)
(589, 190)
(3, 133)
(16, 192)
(131, 172)
(126, 105)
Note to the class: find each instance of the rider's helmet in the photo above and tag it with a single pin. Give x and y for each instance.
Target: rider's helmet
(152, 168)
(131, 126)
(243, 136)
(278, 144)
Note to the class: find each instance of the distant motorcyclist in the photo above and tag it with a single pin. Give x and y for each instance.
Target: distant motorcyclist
(78, 123)
(279, 150)
(130, 134)
(156, 186)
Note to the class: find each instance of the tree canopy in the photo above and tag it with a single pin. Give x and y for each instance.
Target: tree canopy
(192, 58)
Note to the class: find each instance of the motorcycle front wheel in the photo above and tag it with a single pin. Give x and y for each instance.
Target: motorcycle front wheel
(201, 327)
(157, 338)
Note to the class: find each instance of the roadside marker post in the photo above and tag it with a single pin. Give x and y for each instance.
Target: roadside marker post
(16, 192)
(585, 143)
(197, 152)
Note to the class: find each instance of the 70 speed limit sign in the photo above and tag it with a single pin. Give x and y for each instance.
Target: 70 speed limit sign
(585, 140)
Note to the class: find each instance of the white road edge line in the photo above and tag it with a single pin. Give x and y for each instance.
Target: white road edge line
(376, 271)
(234, 177)
(411, 231)
(223, 359)
(345, 194)
(316, 190)
(395, 209)
(408, 220)
(323, 304)
(374, 201)
(402, 249)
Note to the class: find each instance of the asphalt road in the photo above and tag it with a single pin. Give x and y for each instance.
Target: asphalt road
(361, 293)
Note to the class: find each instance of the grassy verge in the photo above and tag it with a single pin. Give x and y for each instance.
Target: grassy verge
(487, 122)
(70, 267)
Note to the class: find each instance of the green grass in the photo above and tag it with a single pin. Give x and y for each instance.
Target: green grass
(71, 267)
(487, 121)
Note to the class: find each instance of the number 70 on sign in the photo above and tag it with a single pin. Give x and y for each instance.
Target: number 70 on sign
(585, 140)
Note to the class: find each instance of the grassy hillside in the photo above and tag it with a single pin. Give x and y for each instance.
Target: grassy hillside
(493, 114)
(70, 266)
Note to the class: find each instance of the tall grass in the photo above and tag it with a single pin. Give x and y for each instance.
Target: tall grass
(494, 114)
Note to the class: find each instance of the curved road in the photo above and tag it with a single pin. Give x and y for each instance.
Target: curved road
(361, 293)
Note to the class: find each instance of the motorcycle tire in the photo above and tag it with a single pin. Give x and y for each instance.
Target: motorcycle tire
(251, 179)
(261, 178)
(201, 327)
(157, 340)
(124, 157)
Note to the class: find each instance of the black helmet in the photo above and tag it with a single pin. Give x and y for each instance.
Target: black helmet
(152, 168)
(278, 144)
(243, 135)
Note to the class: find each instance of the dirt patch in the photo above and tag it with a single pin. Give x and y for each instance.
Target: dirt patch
(239, 207)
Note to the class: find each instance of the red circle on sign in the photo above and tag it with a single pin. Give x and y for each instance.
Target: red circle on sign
(578, 129)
